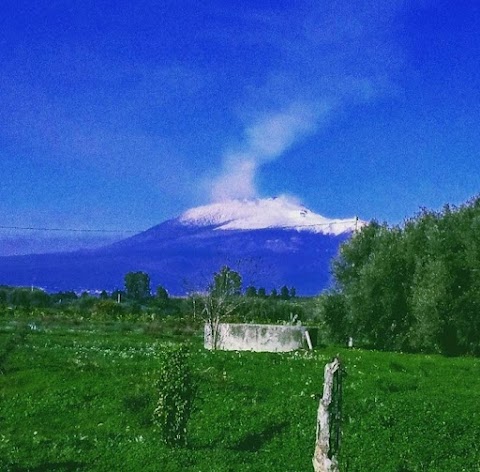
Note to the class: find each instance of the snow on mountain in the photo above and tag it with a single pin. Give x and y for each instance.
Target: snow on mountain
(278, 212)
(271, 242)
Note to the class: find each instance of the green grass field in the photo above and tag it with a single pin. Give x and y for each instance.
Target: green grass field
(83, 401)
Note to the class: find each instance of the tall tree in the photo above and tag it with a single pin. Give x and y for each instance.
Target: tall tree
(161, 294)
(137, 286)
(284, 293)
(226, 283)
(417, 286)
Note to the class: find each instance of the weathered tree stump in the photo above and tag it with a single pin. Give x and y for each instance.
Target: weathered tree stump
(322, 460)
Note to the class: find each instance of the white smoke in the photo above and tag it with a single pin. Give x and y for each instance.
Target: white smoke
(237, 179)
(265, 140)
(335, 57)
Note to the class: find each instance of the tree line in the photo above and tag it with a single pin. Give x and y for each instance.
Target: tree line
(136, 300)
(412, 287)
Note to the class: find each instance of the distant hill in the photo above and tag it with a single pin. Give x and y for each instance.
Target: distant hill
(271, 242)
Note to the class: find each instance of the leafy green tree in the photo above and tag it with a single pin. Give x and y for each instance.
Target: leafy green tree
(137, 286)
(161, 300)
(429, 304)
(334, 313)
(371, 273)
(251, 292)
(226, 283)
(262, 293)
(417, 286)
(354, 254)
(284, 293)
(161, 294)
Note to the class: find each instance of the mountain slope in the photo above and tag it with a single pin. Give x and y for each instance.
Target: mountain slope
(270, 242)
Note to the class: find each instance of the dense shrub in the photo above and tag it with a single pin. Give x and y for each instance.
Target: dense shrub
(415, 287)
(176, 392)
(268, 310)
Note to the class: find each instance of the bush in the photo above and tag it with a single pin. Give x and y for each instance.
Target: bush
(335, 316)
(176, 392)
(108, 310)
(415, 287)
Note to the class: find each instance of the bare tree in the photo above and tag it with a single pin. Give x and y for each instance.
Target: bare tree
(222, 300)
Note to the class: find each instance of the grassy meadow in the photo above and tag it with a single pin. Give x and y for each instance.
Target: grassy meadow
(82, 400)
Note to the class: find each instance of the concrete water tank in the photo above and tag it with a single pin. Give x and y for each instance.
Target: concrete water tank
(259, 337)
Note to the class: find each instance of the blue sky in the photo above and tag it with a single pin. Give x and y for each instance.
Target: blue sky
(120, 115)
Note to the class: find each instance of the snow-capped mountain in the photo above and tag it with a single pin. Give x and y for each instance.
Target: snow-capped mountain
(278, 212)
(271, 242)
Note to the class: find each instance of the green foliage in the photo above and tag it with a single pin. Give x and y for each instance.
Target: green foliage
(137, 286)
(415, 287)
(20, 297)
(68, 306)
(64, 298)
(161, 294)
(118, 295)
(222, 300)
(226, 283)
(333, 312)
(26, 298)
(176, 394)
(268, 310)
(86, 303)
(108, 309)
(3, 296)
(284, 293)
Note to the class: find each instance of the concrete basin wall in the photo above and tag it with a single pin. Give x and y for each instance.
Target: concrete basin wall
(257, 337)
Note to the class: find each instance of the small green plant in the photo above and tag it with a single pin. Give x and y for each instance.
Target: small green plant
(176, 392)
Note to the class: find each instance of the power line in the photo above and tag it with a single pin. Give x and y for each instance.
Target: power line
(86, 230)
(75, 230)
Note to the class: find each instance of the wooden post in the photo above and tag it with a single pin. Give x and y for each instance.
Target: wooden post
(322, 460)
(309, 341)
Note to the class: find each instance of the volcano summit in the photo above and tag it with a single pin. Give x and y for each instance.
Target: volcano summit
(271, 242)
